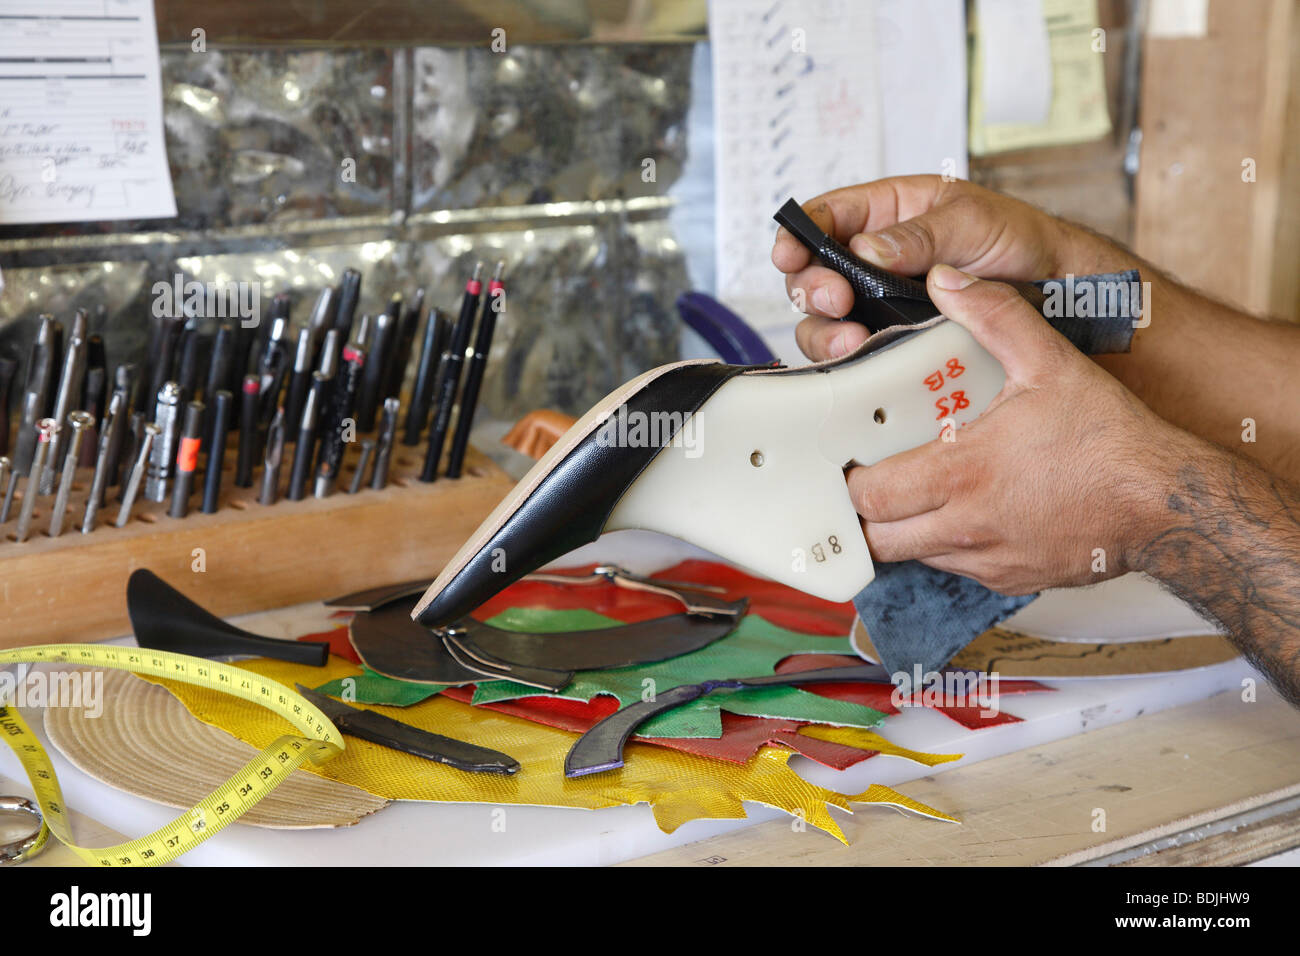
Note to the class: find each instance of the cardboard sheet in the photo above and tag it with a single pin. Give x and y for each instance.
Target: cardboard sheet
(1032, 658)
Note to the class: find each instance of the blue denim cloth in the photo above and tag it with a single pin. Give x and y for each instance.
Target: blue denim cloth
(917, 615)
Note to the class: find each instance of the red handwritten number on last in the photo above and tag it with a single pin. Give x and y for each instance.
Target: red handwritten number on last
(959, 401)
(934, 381)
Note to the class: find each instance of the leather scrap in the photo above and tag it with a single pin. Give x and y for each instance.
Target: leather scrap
(1027, 657)
(626, 645)
(781, 605)
(754, 648)
(535, 433)
(387, 732)
(390, 643)
(600, 749)
(880, 696)
(742, 737)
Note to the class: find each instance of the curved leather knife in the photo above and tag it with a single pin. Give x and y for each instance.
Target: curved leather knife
(378, 729)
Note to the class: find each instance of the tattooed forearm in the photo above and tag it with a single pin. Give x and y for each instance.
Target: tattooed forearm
(1228, 543)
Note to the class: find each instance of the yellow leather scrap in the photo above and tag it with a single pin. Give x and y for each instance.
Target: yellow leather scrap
(866, 740)
(678, 786)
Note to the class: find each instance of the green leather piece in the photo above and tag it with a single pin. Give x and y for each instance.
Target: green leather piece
(372, 688)
(542, 620)
(754, 648)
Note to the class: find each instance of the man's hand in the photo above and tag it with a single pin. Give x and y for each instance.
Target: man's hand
(1064, 462)
(1066, 468)
(908, 224)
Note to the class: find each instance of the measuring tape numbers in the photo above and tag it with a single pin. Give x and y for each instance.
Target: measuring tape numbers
(318, 741)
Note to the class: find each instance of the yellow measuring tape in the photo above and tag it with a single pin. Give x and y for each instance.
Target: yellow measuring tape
(320, 740)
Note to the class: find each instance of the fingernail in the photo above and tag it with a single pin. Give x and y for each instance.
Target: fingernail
(821, 300)
(880, 244)
(839, 347)
(946, 277)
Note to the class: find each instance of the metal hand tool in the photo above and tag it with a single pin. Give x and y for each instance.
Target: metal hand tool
(36, 393)
(436, 332)
(217, 450)
(80, 422)
(44, 433)
(270, 491)
(113, 425)
(67, 399)
(358, 476)
(187, 460)
(384, 451)
(5, 466)
(137, 473)
(162, 462)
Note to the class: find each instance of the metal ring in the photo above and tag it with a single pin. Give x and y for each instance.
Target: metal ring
(11, 853)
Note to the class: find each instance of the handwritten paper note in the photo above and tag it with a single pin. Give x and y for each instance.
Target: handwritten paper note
(81, 134)
(797, 113)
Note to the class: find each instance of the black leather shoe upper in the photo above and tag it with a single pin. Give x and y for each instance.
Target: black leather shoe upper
(570, 505)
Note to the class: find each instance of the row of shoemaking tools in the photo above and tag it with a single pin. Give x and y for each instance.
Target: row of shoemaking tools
(320, 387)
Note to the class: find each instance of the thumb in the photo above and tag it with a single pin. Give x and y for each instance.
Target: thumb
(1000, 320)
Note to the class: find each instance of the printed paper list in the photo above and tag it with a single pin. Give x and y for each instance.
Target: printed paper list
(81, 134)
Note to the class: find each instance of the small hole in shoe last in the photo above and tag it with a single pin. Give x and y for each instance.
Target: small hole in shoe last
(756, 459)
(879, 416)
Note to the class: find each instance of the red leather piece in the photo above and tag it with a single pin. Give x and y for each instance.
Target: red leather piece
(781, 605)
(879, 696)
